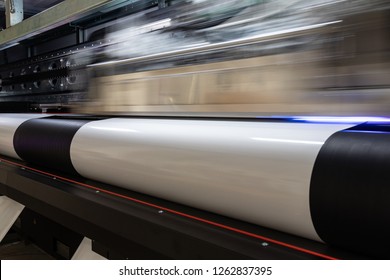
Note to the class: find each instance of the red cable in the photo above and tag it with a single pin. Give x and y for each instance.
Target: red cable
(243, 232)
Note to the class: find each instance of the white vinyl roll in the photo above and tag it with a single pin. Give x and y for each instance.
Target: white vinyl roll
(8, 125)
(253, 171)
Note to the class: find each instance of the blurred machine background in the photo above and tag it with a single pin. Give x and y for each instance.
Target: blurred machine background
(254, 57)
(186, 59)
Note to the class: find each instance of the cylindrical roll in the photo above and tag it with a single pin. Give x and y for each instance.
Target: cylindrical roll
(254, 171)
(350, 192)
(326, 182)
(9, 123)
(46, 141)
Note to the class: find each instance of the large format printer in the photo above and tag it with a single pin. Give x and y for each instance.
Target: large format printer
(196, 129)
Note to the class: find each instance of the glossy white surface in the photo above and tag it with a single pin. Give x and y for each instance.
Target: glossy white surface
(8, 125)
(253, 171)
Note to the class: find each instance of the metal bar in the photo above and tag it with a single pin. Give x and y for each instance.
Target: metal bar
(80, 35)
(283, 34)
(51, 18)
(13, 12)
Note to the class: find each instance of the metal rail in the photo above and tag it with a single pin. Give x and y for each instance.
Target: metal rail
(51, 18)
